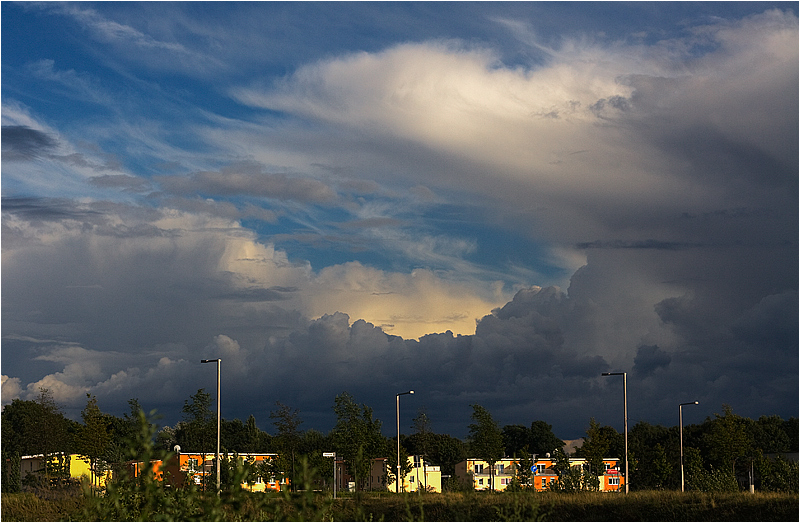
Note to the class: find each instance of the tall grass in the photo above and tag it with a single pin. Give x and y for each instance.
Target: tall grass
(27, 506)
(471, 506)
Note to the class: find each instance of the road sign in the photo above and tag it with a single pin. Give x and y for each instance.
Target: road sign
(328, 454)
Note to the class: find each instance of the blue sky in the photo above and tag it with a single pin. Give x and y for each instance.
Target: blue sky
(489, 203)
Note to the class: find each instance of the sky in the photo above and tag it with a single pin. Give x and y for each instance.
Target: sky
(486, 203)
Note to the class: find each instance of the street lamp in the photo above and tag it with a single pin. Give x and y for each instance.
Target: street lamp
(625, 407)
(680, 424)
(397, 402)
(218, 361)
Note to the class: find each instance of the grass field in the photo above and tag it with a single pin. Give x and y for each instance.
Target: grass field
(478, 506)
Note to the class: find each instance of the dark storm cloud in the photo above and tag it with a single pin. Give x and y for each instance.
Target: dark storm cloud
(649, 358)
(513, 349)
(21, 143)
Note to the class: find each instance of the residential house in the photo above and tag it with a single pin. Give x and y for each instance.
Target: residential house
(422, 476)
(477, 472)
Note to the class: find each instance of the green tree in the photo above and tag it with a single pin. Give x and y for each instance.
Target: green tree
(37, 427)
(522, 472)
(657, 456)
(662, 468)
(357, 437)
(391, 462)
(486, 439)
(197, 431)
(423, 435)
(729, 439)
(165, 438)
(703, 480)
(769, 435)
(542, 440)
(447, 452)
(311, 446)
(94, 437)
(776, 474)
(515, 439)
(254, 437)
(597, 444)
(570, 479)
(287, 421)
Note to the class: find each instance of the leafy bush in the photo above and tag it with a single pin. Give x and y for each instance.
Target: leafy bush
(778, 475)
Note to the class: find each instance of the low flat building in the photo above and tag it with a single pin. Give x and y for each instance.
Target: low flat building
(75, 465)
(196, 466)
(476, 472)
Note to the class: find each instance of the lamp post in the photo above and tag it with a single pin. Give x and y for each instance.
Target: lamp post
(397, 404)
(625, 413)
(680, 424)
(218, 361)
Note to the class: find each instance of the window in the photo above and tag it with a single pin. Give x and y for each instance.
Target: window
(411, 480)
(504, 481)
(500, 468)
(613, 480)
(478, 469)
(544, 482)
(480, 481)
(193, 464)
(416, 462)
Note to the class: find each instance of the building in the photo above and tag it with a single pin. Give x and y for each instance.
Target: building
(78, 467)
(195, 466)
(477, 472)
(422, 476)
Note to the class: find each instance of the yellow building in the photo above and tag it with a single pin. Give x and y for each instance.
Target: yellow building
(79, 467)
(421, 477)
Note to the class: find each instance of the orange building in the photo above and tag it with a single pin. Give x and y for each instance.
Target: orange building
(195, 466)
(543, 476)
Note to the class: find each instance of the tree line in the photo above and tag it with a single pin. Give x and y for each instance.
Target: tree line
(718, 453)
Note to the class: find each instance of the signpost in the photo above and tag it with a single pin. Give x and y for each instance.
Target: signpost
(332, 455)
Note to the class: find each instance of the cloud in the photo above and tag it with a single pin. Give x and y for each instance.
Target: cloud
(21, 143)
(11, 389)
(577, 133)
(135, 44)
(415, 205)
(249, 180)
(649, 358)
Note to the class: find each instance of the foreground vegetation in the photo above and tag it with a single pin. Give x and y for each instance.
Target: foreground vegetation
(473, 506)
